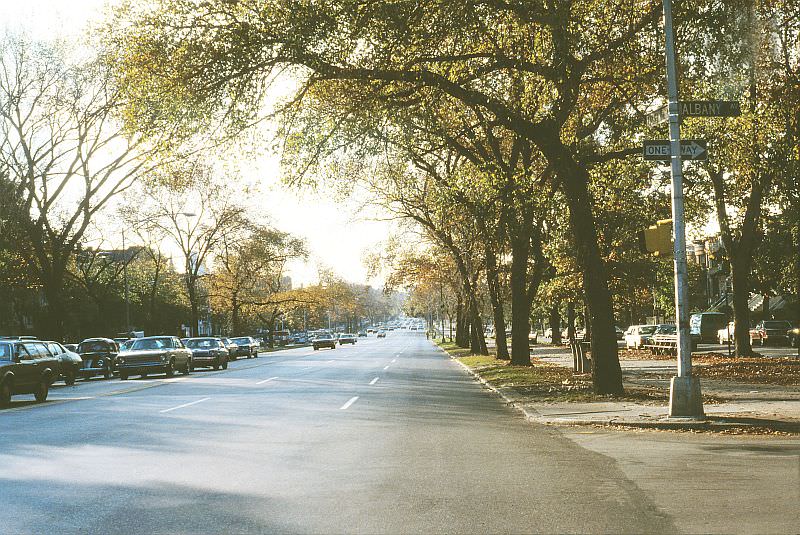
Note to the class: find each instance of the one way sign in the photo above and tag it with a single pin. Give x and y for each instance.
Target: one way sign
(691, 149)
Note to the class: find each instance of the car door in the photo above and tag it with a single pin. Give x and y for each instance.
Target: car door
(44, 360)
(25, 373)
(179, 353)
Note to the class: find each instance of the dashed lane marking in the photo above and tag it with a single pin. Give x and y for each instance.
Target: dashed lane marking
(349, 402)
(374, 381)
(185, 405)
(266, 380)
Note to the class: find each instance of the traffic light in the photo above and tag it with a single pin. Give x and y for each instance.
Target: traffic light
(657, 239)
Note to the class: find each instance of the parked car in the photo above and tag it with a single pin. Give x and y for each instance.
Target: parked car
(347, 338)
(362, 334)
(126, 345)
(324, 340)
(725, 334)
(26, 367)
(70, 362)
(71, 347)
(770, 332)
(232, 347)
(154, 354)
(208, 353)
(246, 346)
(793, 335)
(281, 338)
(382, 334)
(99, 357)
(638, 336)
(704, 327)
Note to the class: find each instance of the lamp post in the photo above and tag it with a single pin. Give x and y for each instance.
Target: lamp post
(196, 327)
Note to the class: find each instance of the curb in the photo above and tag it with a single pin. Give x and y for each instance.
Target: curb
(713, 423)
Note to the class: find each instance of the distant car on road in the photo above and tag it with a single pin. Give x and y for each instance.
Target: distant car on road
(347, 338)
(99, 357)
(247, 346)
(362, 334)
(26, 367)
(770, 332)
(208, 353)
(324, 340)
(382, 334)
(232, 347)
(154, 354)
(70, 362)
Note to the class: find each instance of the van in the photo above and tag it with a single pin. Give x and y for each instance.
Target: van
(704, 326)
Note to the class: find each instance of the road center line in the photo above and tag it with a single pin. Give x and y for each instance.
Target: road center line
(386, 367)
(266, 380)
(374, 381)
(186, 405)
(349, 402)
(394, 360)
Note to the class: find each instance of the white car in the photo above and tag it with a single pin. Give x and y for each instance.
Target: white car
(637, 336)
(725, 334)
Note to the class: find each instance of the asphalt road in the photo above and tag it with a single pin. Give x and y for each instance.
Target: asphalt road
(387, 436)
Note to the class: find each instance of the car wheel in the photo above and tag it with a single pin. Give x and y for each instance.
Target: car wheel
(169, 369)
(69, 378)
(108, 373)
(5, 394)
(123, 376)
(762, 342)
(216, 365)
(189, 367)
(224, 364)
(316, 348)
(41, 390)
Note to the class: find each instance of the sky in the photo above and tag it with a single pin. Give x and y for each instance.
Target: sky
(336, 237)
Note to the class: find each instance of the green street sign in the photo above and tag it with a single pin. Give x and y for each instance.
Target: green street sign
(709, 108)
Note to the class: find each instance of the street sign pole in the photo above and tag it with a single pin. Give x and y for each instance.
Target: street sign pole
(684, 399)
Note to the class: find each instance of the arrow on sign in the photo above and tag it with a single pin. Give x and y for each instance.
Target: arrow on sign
(660, 149)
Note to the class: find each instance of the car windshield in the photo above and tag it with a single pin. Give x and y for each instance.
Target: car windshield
(150, 343)
(324, 337)
(5, 351)
(89, 347)
(199, 343)
(126, 345)
(777, 325)
(666, 329)
(241, 340)
(647, 329)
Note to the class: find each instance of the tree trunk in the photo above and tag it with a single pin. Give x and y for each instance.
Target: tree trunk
(462, 335)
(571, 321)
(493, 283)
(740, 271)
(477, 341)
(555, 324)
(606, 371)
(520, 302)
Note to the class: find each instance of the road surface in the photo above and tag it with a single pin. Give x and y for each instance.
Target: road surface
(387, 436)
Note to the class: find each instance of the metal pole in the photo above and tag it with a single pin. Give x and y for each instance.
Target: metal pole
(685, 400)
(125, 278)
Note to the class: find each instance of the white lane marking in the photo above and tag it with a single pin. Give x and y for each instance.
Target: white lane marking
(266, 380)
(186, 405)
(386, 367)
(330, 362)
(374, 381)
(394, 360)
(349, 402)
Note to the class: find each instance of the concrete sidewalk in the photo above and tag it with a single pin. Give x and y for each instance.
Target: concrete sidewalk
(734, 406)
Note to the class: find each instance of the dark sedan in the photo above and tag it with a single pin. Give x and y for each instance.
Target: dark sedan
(154, 354)
(248, 347)
(99, 357)
(26, 367)
(232, 347)
(208, 353)
(324, 340)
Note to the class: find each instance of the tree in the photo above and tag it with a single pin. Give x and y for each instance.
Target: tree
(189, 204)
(66, 153)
